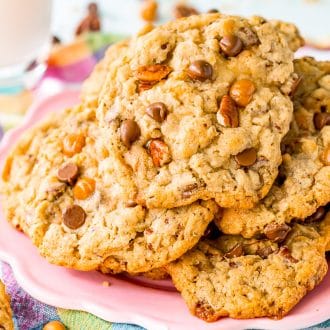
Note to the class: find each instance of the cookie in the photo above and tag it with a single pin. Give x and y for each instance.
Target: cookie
(322, 225)
(246, 278)
(6, 321)
(198, 108)
(303, 183)
(77, 202)
(92, 86)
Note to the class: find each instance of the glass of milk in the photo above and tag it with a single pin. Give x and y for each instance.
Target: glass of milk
(24, 42)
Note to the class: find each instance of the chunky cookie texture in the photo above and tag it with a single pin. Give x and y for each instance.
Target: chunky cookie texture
(6, 321)
(303, 182)
(77, 202)
(247, 278)
(321, 222)
(92, 86)
(197, 109)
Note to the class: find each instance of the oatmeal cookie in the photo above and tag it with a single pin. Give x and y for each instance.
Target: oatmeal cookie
(198, 107)
(303, 183)
(92, 86)
(77, 202)
(246, 278)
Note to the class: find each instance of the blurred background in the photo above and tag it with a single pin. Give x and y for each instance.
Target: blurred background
(49, 46)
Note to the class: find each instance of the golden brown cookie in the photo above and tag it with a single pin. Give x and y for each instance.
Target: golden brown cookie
(303, 183)
(198, 107)
(77, 202)
(247, 278)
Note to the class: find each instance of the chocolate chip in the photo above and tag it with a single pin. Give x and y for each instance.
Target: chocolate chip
(231, 45)
(247, 157)
(235, 252)
(281, 178)
(212, 232)
(68, 173)
(321, 119)
(200, 70)
(129, 132)
(277, 232)
(157, 111)
(286, 253)
(318, 215)
(74, 217)
(265, 252)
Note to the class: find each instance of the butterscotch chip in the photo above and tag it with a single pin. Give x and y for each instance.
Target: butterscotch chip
(84, 188)
(149, 10)
(73, 144)
(74, 217)
(54, 325)
(68, 173)
(242, 91)
(246, 157)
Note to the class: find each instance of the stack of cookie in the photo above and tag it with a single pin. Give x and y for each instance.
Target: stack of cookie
(200, 150)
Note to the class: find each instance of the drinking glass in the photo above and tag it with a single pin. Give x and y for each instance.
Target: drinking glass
(24, 42)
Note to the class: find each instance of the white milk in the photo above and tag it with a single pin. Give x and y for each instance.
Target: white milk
(24, 30)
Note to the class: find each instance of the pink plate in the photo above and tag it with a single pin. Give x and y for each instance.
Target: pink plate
(152, 305)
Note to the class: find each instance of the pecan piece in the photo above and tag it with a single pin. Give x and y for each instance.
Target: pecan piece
(160, 152)
(152, 73)
(227, 115)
